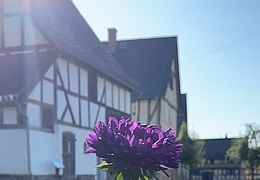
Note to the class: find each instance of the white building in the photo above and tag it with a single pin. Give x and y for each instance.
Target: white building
(56, 81)
(154, 64)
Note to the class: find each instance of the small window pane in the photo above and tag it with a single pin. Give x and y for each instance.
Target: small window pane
(12, 31)
(48, 118)
(10, 115)
(14, 6)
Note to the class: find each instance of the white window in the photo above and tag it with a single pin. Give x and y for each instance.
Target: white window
(12, 28)
(32, 35)
(10, 115)
(14, 6)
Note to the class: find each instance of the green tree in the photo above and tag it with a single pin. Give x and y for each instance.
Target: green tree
(247, 149)
(192, 150)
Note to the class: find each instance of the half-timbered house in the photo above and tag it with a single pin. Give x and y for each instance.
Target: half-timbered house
(154, 64)
(56, 81)
(217, 166)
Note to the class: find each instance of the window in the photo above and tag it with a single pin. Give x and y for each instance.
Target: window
(47, 118)
(11, 23)
(92, 88)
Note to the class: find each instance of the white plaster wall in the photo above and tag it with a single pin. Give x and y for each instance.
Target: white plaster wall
(152, 108)
(67, 117)
(108, 94)
(36, 93)
(34, 115)
(84, 113)
(74, 104)
(171, 94)
(121, 100)
(115, 97)
(61, 103)
(50, 73)
(62, 64)
(44, 147)
(128, 102)
(73, 78)
(93, 113)
(100, 88)
(168, 116)
(134, 112)
(144, 111)
(13, 152)
(84, 82)
(48, 92)
(85, 163)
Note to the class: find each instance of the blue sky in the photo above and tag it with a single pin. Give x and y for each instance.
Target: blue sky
(219, 53)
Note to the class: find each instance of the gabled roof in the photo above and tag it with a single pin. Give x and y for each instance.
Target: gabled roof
(64, 27)
(216, 148)
(19, 70)
(148, 61)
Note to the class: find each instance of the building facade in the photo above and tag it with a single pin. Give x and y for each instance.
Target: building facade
(217, 166)
(154, 64)
(54, 87)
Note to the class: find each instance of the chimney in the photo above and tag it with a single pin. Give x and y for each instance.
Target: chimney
(112, 40)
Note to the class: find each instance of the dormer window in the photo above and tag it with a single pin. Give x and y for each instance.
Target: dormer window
(16, 27)
(11, 15)
(14, 6)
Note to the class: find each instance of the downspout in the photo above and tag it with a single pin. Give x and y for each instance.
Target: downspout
(20, 110)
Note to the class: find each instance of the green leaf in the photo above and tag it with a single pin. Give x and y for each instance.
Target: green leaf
(104, 166)
(119, 176)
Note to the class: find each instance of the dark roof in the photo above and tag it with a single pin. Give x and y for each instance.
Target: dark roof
(216, 148)
(63, 26)
(20, 70)
(148, 61)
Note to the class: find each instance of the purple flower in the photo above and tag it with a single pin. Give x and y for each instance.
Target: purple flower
(132, 150)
